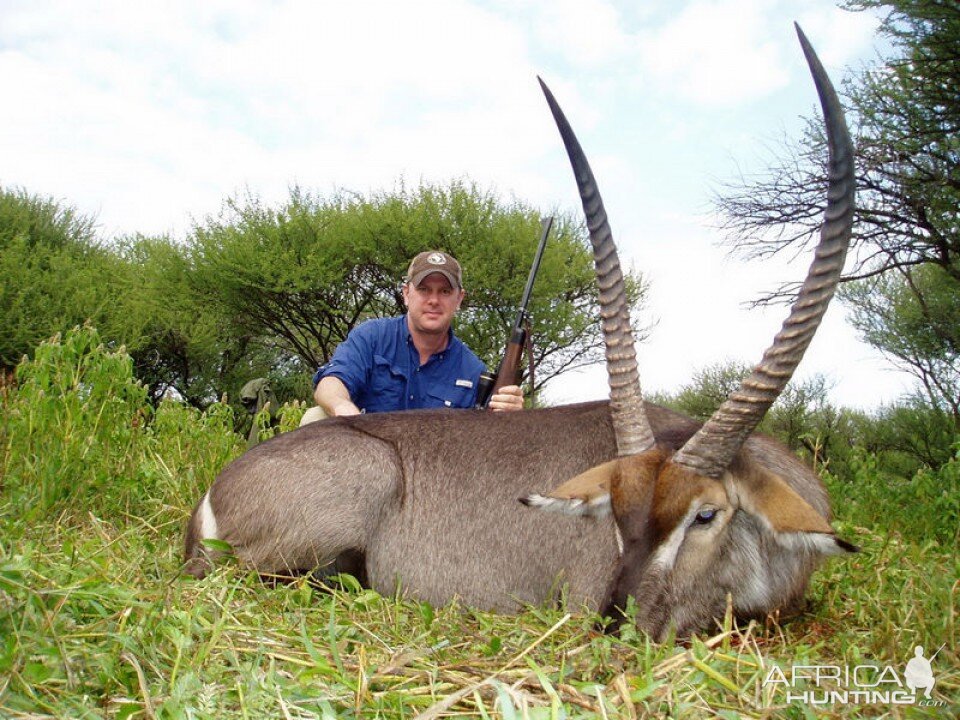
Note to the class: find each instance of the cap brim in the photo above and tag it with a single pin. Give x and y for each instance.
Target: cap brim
(451, 278)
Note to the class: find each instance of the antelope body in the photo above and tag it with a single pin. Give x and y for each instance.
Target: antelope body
(429, 499)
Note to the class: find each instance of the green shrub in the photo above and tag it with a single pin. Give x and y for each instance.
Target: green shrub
(924, 508)
(80, 435)
(74, 418)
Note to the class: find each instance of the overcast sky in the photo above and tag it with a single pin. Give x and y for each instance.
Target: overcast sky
(149, 115)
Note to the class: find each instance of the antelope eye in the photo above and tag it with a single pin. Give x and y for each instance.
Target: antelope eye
(705, 516)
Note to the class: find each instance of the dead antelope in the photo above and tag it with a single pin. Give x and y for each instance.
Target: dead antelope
(429, 498)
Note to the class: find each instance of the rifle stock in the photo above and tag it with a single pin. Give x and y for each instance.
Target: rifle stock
(510, 371)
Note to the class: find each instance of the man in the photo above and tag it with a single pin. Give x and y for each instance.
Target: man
(412, 361)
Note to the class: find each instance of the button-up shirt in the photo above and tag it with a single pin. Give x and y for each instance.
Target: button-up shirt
(380, 367)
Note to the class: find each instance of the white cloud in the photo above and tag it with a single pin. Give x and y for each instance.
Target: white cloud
(715, 52)
(587, 33)
(188, 104)
(841, 37)
(725, 52)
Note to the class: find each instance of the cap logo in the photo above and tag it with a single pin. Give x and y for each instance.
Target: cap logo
(436, 259)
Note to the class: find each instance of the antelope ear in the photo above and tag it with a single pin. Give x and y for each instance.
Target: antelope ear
(792, 519)
(586, 494)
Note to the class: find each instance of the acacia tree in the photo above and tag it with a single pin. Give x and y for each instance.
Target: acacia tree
(906, 239)
(906, 118)
(56, 273)
(178, 341)
(298, 278)
(913, 316)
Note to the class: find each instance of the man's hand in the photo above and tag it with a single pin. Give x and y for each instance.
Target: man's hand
(509, 397)
(331, 394)
(345, 408)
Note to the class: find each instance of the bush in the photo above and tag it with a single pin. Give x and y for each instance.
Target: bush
(924, 508)
(74, 418)
(86, 438)
(55, 273)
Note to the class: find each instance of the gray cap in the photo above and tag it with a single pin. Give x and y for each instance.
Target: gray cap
(435, 261)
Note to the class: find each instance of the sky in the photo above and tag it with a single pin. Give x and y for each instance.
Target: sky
(149, 116)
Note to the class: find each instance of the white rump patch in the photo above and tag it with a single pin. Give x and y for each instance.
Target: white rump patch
(208, 521)
(596, 507)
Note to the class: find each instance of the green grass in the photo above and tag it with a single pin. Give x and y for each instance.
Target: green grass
(95, 620)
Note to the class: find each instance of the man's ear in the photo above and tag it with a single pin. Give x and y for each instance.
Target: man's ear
(586, 494)
(793, 520)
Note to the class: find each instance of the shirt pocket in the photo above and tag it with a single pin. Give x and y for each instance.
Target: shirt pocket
(387, 386)
(449, 396)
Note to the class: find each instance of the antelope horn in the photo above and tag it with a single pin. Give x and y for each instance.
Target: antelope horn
(630, 424)
(714, 446)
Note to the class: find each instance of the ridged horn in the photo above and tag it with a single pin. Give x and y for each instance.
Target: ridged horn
(630, 424)
(714, 446)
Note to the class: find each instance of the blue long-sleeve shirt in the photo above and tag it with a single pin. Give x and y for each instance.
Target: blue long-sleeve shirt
(381, 369)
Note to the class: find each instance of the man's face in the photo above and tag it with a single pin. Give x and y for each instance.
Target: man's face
(432, 304)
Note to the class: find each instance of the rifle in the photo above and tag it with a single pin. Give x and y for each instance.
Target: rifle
(510, 372)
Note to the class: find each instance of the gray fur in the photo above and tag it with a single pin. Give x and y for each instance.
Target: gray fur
(430, 498)
(748, 568)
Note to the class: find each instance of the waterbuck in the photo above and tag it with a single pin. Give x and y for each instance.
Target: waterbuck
(429, 499)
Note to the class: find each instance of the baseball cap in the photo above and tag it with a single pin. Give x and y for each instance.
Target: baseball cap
(435, 261)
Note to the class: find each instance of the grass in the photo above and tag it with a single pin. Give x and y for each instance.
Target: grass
(95, 620)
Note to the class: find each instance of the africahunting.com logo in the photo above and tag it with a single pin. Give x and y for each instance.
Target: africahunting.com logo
(859, 685)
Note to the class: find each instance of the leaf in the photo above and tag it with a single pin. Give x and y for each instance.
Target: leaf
(217, 545)
(427, 613)
(507, 708)
(36, 673)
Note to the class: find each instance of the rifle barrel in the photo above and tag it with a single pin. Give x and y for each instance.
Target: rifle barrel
(545, 226)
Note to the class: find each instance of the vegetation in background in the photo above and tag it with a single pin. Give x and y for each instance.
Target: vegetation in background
(79, 435)
(180, 342)
(53, 269)
(296, 279)
(902, 439)
(913, 318)
(270, 292)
